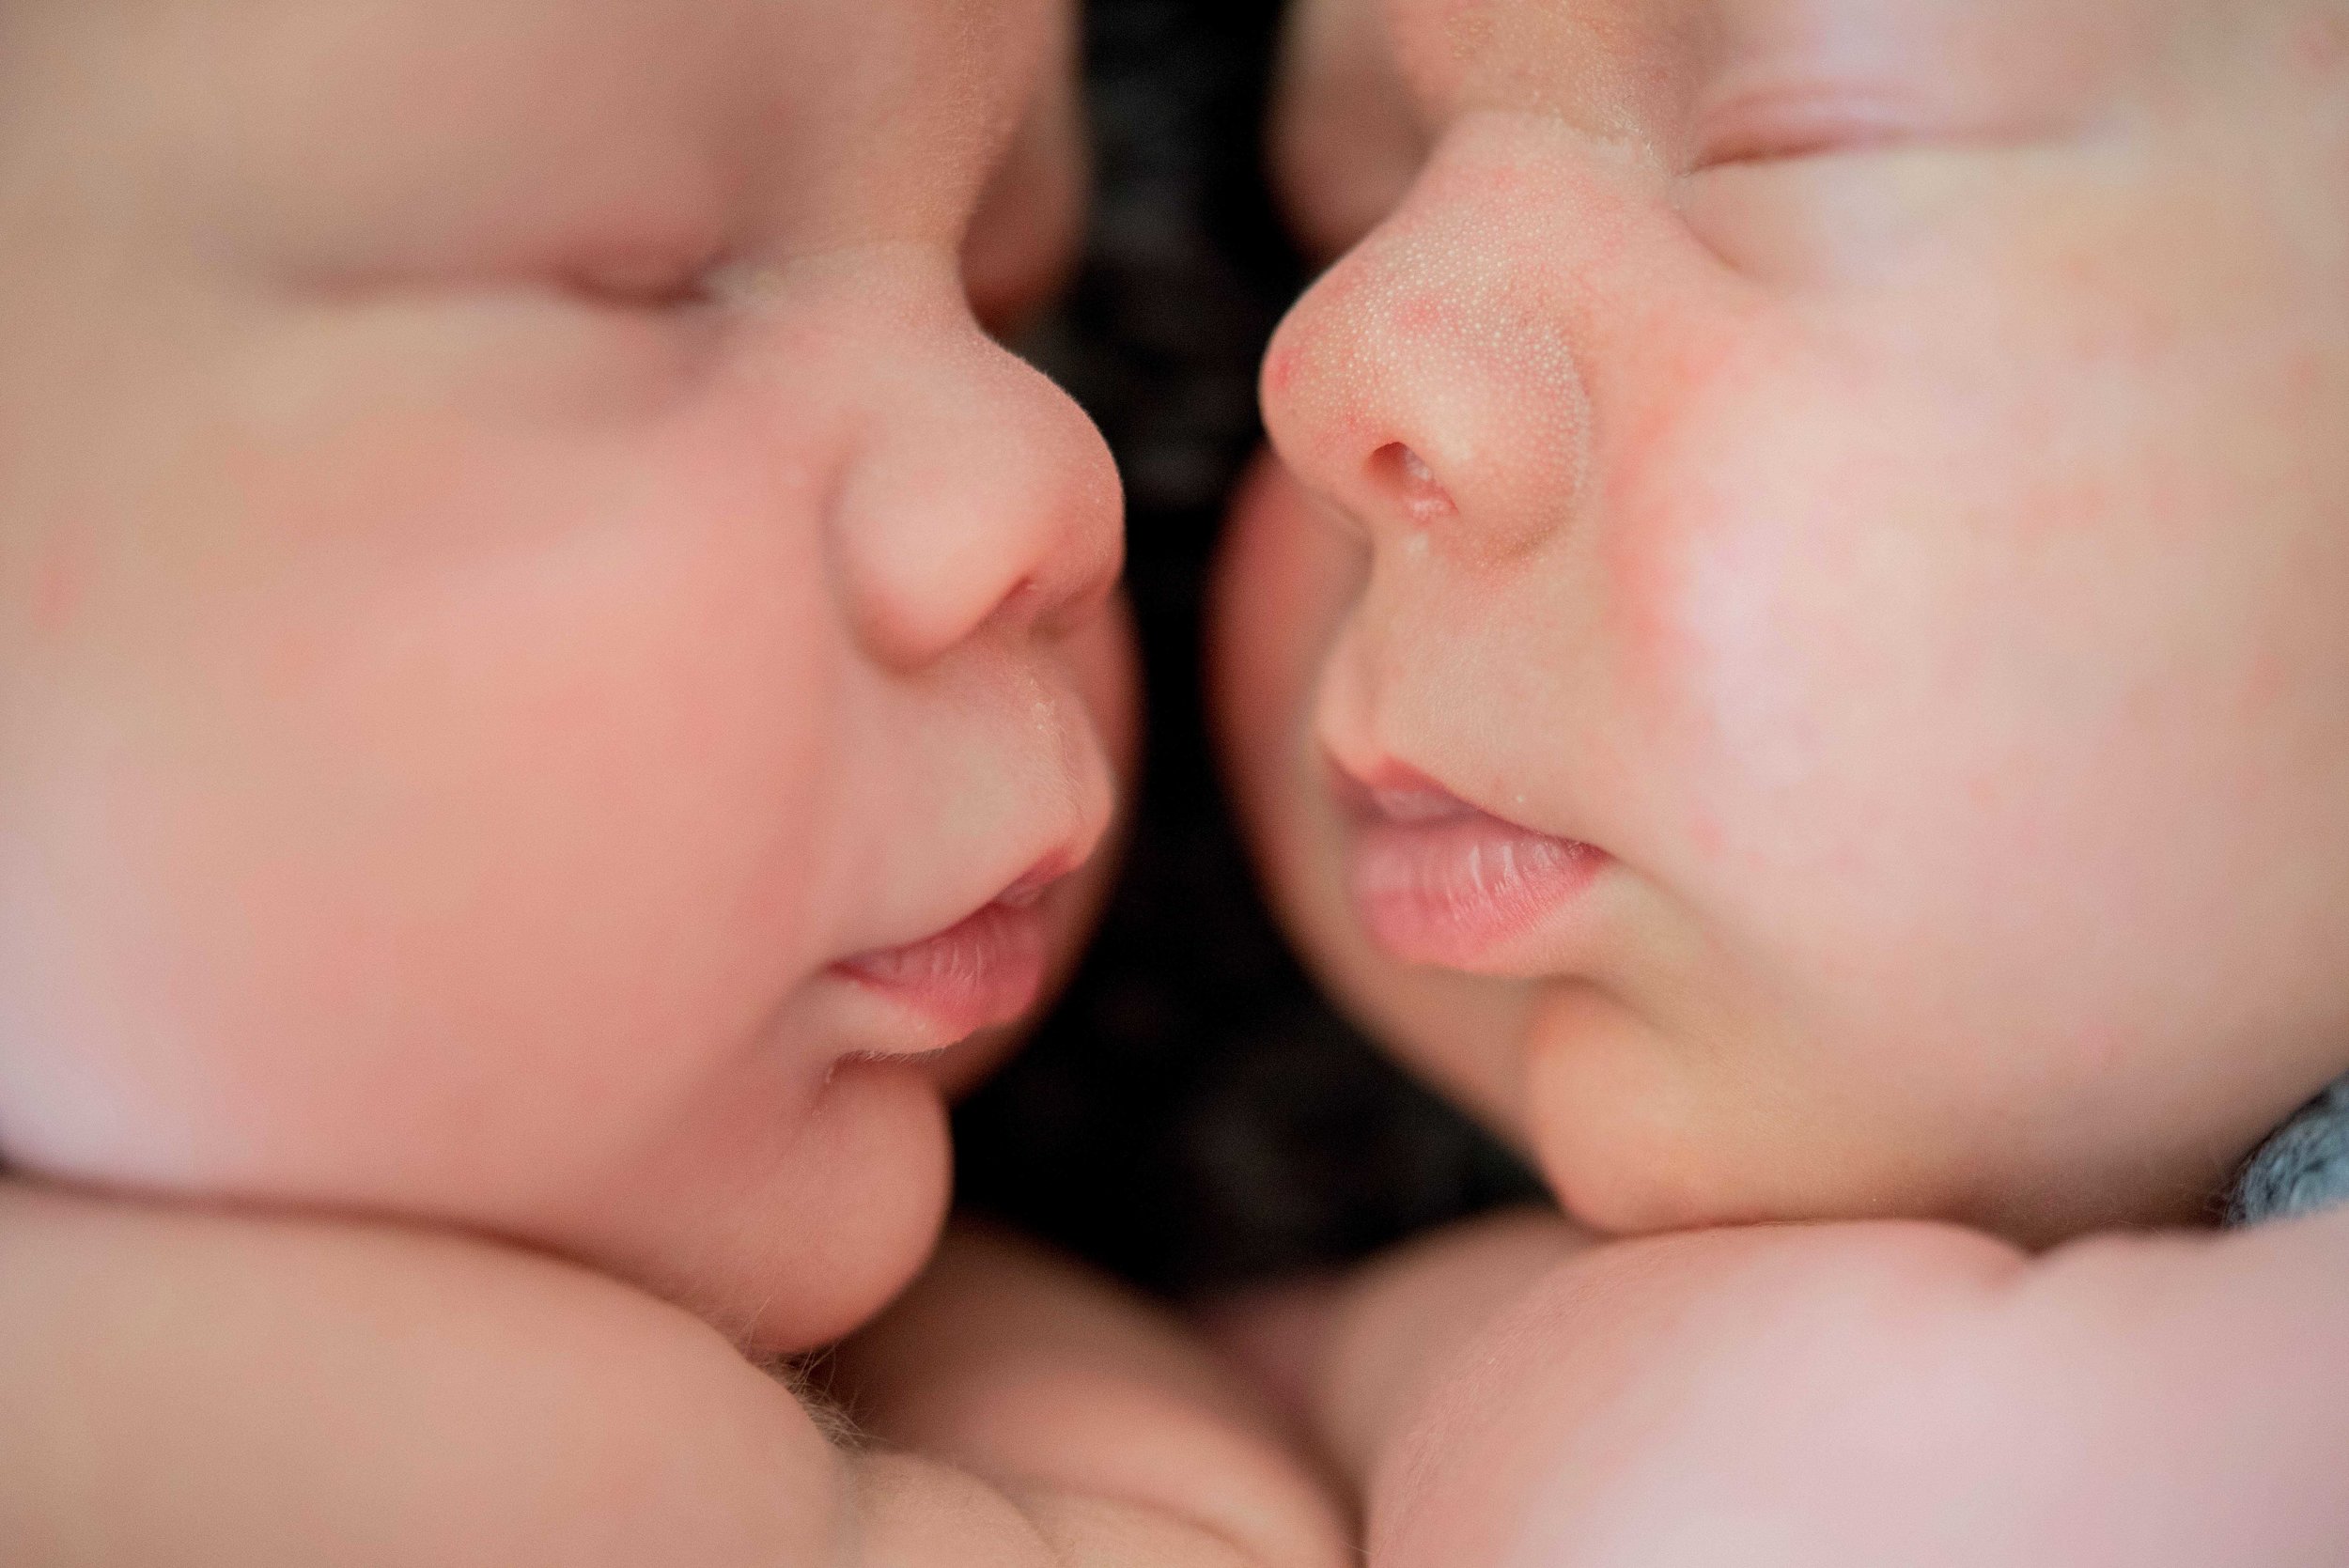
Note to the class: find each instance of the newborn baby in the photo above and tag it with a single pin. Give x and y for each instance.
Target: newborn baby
(549, 670)
(1793, 660)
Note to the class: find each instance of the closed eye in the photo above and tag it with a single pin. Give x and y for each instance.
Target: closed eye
(1779, 126)
(644, 284)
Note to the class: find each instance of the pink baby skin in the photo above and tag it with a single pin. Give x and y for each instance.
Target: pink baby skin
(559, 692)
(1844, 504)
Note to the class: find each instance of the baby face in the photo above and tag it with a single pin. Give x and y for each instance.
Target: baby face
(1795, 654)
(548, 666)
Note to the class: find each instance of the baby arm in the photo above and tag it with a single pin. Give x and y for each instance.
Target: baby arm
(191, 1388)
(1848, 1394)
(1121, 1438)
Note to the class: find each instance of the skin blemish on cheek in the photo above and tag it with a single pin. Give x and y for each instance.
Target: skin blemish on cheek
(1647, 584)
(1705, 833)
(2062, 509)
(2266, 683)
(2318, 45)
(60, 586)
(2304, 381)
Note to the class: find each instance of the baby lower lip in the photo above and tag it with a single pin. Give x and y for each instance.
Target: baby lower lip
(1448, 890)
(986, 971)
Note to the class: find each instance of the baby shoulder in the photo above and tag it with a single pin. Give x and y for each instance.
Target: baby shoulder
(1913, 1394)
(190, 1388)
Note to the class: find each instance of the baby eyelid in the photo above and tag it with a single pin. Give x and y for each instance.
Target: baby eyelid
(1776, 125)
(649, 281)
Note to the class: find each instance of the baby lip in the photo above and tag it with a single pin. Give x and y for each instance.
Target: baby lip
(984, 969)
(1415, 804)
(1030, 890)
(1439, 881)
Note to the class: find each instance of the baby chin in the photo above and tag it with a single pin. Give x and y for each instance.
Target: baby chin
(785, 1232)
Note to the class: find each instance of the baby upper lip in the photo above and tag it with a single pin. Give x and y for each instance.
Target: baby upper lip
(1394, 791)
(1058, 829)
(1023, 892)
(1039, 880)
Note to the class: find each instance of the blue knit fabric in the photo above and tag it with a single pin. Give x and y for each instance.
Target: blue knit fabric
(2302, 1168)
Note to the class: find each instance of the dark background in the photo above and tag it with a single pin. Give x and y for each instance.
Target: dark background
(1192, 1116)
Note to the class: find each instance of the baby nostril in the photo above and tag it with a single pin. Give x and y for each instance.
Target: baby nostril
(1405, 473)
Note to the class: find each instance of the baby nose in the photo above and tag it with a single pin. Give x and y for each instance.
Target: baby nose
(984, 501)
(1424, 385)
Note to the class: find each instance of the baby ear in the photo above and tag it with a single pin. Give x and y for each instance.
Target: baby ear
(1345, 142)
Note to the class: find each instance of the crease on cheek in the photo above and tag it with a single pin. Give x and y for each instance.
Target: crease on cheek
(1681, 551)
(1649, 555)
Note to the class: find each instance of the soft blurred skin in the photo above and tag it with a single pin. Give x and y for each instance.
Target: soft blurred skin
(1887, 495)
(516, 557)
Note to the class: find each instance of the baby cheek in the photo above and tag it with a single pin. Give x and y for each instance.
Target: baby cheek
(1701, 573)
(507, 778)
(1873, 710)
(61, 580)
(1790, 629)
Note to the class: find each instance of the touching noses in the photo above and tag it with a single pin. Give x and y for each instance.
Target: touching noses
(985, 502)
(1431, 383)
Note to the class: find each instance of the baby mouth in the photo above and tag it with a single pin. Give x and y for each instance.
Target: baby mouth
(984, 970)
(1439, 881)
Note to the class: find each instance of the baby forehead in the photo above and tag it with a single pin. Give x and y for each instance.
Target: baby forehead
(561, 68)
(965, 52)
(1618, 65)
(491, 127)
